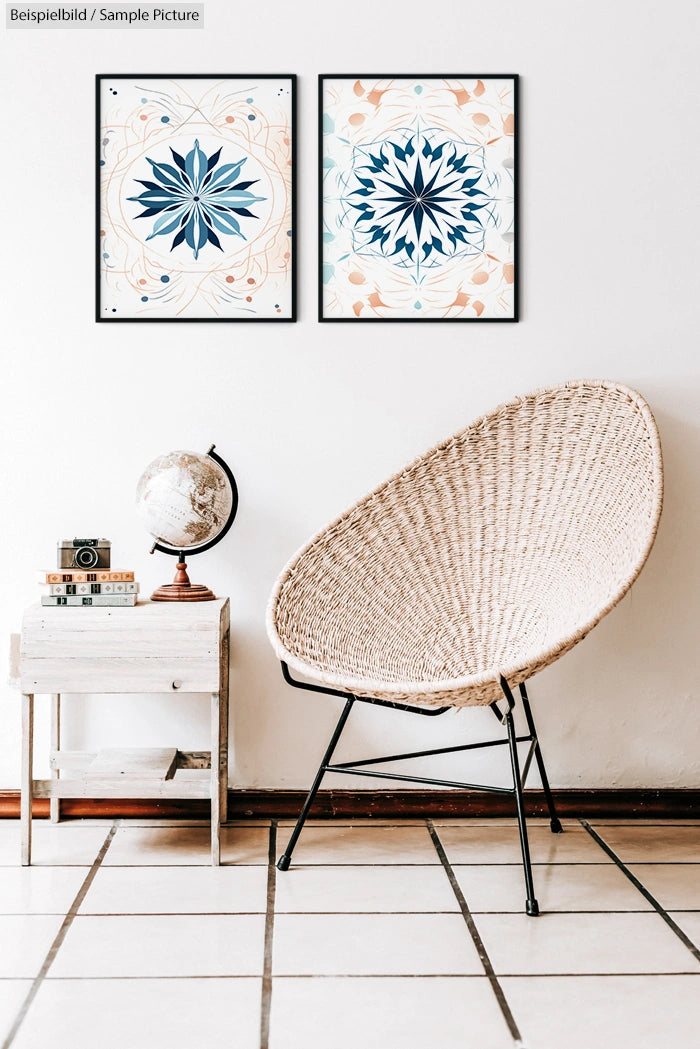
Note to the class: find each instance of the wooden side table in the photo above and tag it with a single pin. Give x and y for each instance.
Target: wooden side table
(153, 648)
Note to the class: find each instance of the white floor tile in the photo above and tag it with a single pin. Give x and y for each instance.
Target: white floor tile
(489, 844)
(245, 844)
(25, 942)
(364, 888)
(624, 1012)
(12, 995)
(689, 922)
(330, 843)
(596, 944)
(156, 945)
(39, 890)
(177, 890)
(186, 845)
(558, 887)
(668, 843)
(390, 1013)
(143, 1014)
(72, 843)
(676, 886)
(373, 944)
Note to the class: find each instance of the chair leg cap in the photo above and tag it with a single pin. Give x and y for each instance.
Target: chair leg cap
(556, 826)
(532, 908)
(283, 863)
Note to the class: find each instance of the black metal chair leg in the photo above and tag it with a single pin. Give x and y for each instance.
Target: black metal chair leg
(286, 858)
(531, 905)
(554, 822)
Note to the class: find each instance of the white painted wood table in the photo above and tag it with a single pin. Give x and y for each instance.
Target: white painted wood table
(154, 647)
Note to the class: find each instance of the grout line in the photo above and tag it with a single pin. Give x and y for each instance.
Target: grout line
(253, 974)
(640, 974)
(317, 914)
(685, 940)
(266, 996)
(478, 942)
(47, 866)
(641, 822)
(204, 865)
(693, 973)
(418, 914)
(461, 863)
(168, 914)
(59, 938)
(332, 865)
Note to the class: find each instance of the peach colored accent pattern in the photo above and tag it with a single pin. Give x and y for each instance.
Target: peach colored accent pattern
(418, 211)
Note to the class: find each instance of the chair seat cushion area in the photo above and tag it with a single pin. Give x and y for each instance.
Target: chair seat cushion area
(491, 555)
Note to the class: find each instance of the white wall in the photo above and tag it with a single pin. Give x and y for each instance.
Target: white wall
(311, 416)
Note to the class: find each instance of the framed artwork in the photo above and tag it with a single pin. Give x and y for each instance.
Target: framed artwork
(418, 198)
(195, 197)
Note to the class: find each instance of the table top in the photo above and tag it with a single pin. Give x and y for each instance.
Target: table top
(144, 613)
(142, 648)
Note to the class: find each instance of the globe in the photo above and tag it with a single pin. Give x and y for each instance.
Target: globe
(187, 502)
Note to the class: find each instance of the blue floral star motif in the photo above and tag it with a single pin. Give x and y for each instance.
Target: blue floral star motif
(419, 199)
(196, 199)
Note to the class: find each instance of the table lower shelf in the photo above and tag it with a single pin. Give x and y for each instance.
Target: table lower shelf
(128, 773)
(178, 787)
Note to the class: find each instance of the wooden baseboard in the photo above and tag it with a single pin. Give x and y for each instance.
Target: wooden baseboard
(390, 804)
(377, 804)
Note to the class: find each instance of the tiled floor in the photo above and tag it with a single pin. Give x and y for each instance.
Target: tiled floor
(382, 936)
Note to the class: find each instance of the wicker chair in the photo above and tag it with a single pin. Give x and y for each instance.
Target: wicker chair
(474, 568)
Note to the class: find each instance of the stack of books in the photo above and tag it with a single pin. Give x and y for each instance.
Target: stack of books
(100, 585)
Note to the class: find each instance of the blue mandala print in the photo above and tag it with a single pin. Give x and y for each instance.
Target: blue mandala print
(420, 199)
(196, 199)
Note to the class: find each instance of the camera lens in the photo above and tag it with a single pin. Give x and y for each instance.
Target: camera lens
(86, 557)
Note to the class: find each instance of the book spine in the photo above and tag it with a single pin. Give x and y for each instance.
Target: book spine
(70, 589)
(74, 576)
(101, 600)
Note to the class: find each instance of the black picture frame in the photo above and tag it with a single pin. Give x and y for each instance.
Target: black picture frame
(181, 277)
(363, 164)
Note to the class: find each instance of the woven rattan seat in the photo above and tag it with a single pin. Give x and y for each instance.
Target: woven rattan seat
(489, 557)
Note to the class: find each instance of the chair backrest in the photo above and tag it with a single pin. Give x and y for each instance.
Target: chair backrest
(492, 554)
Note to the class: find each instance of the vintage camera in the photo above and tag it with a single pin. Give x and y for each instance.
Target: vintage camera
(84, 553)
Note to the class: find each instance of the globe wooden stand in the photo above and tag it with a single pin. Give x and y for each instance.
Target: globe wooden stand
(181, 589)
